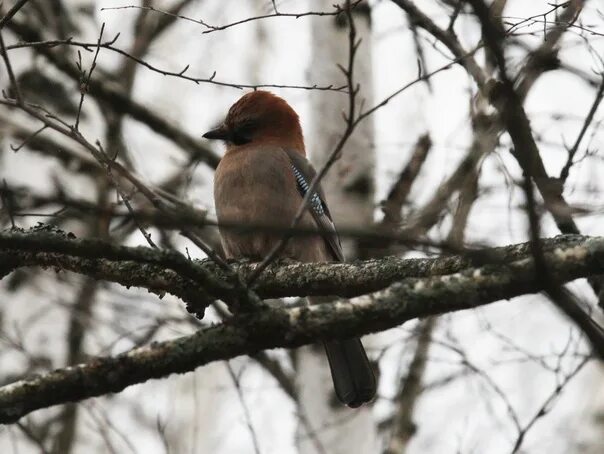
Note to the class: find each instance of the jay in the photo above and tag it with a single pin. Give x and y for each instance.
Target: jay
(261, 180)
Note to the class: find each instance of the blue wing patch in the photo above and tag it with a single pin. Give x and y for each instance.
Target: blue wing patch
(303, 186)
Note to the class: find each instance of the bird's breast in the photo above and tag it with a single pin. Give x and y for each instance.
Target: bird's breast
(254, 188)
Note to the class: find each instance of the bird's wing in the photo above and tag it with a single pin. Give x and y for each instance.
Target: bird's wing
(304, 173)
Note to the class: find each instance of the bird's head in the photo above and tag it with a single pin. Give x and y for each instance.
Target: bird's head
(260, 118)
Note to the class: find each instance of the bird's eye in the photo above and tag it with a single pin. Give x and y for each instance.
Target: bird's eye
(243, 134)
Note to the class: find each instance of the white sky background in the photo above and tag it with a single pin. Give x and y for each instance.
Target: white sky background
(465, 416)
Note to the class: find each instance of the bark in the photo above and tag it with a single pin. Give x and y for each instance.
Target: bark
(150, 269)
(567, 259)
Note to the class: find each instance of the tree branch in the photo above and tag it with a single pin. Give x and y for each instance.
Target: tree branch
(162, 271)
(11, 12)
(118, 100)
(247, 334)
(447, 37)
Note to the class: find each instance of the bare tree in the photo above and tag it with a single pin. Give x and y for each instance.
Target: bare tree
(470, 218)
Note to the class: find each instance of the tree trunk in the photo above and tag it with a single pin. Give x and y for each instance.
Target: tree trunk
(349, 188)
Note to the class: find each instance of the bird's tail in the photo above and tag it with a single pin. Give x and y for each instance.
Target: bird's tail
(353, 378)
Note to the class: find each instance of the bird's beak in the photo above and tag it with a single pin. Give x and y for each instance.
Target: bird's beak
(220, 133)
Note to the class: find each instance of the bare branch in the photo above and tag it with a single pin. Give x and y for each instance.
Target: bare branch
(402, 187)
(11, 12)
(588, 119)
(338, 9)
(447, 37)
(120, 101)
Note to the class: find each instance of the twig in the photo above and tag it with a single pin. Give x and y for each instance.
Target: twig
(540, 18)
(448, 38)
(28, 139)
(197, 241)
(9, 70)
(85, 83)
(126, 201)
(534, 65)
(213, 28)
(547, 405)
(588, 119)
(246, 411)
(180, 74)
(454, 15)
(273, 367)
(118, 100)
(98, 153)
(11, 12)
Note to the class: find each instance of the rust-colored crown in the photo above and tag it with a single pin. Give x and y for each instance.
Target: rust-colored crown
(269, 119)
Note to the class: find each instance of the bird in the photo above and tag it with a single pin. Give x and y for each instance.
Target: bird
(261, 180)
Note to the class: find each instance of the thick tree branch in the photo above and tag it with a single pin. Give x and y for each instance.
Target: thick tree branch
(168, 271)
(157, 270)
(275, 327)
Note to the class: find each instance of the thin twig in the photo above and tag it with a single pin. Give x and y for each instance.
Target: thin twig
(28, 139)
(246, 411)
(547, 405)
(9, 70)
(197, 241)
(126, 201)
(213, 28)
(180, 74)
(588, 119)
(84, 86)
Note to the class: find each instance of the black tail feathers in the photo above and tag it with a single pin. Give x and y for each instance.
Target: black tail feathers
(353, 378)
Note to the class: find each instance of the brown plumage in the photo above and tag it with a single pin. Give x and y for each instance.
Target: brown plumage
(261, 180)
